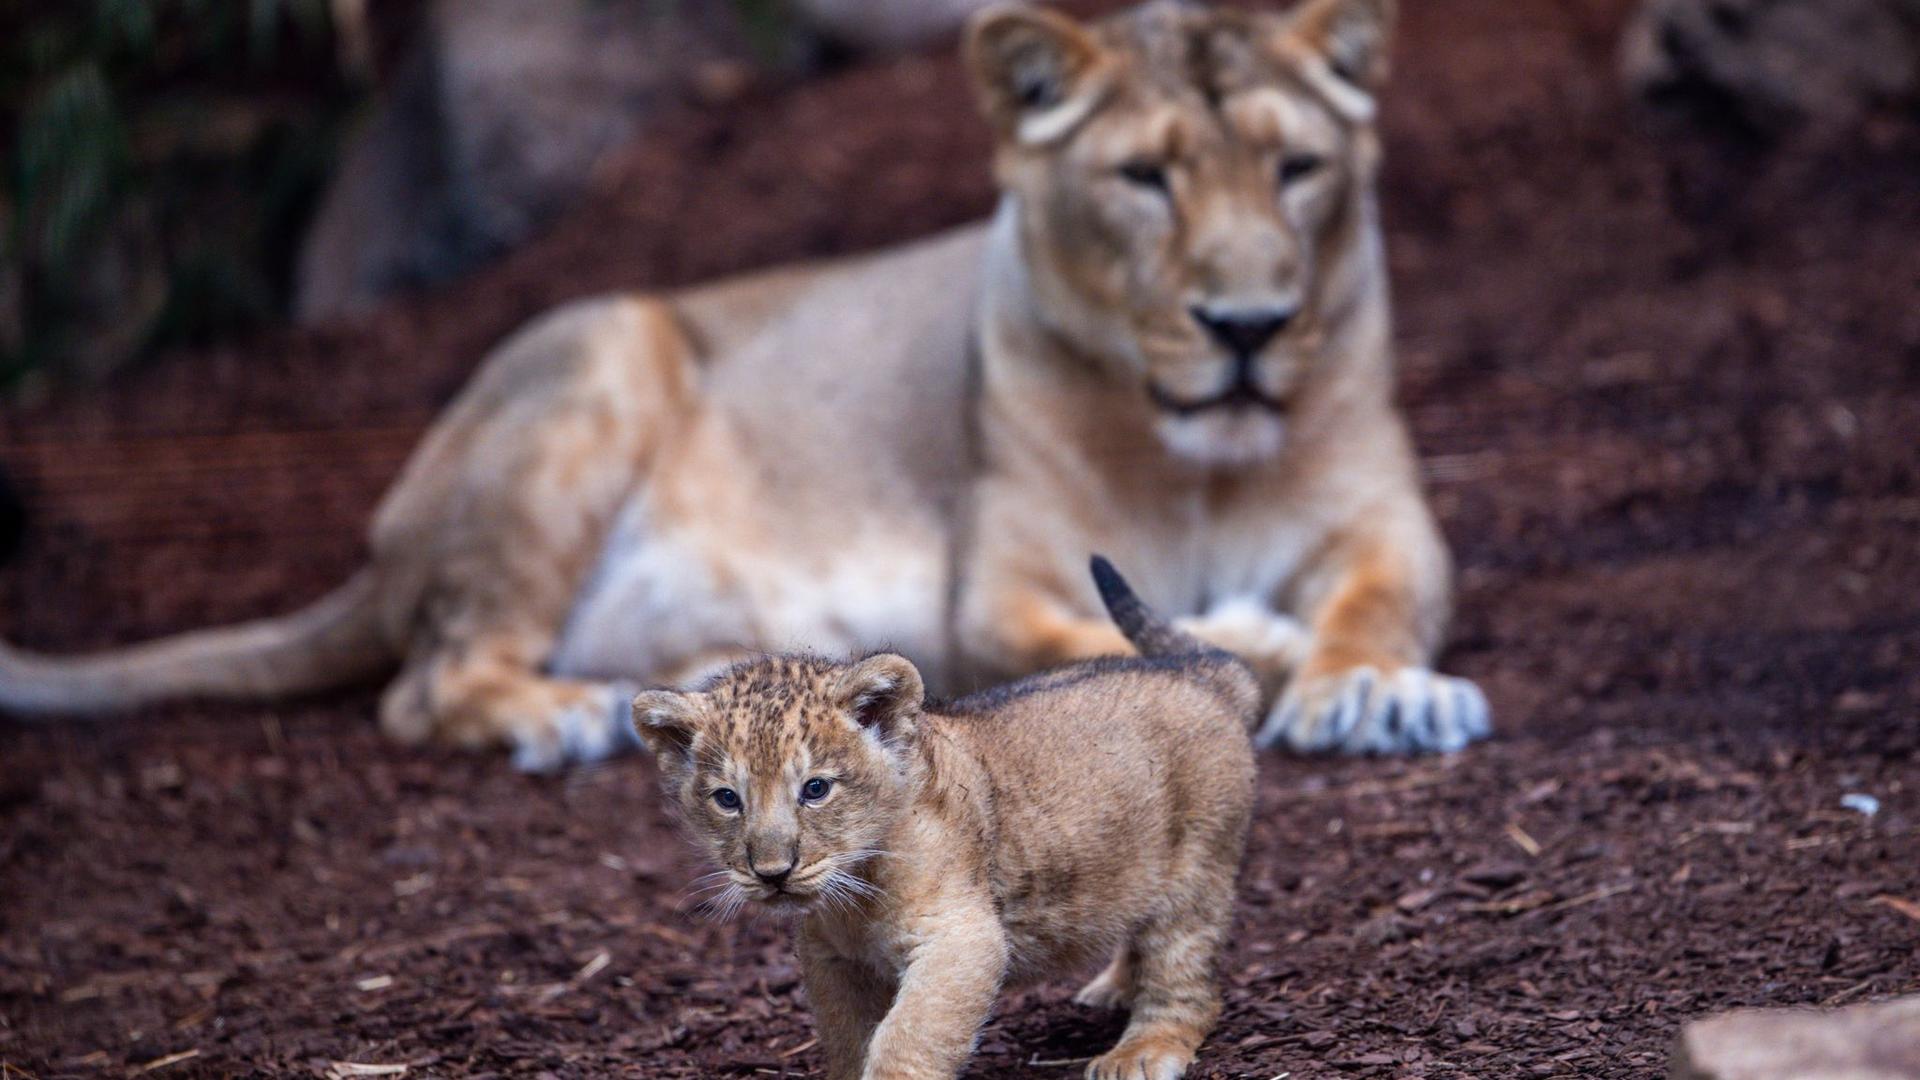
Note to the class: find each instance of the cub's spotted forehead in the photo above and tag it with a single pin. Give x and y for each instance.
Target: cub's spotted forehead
(769, 704)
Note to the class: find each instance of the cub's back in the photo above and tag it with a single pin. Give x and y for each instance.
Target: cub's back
(1106, 778)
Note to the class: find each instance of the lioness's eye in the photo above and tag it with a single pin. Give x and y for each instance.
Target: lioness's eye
(726, 798)
(815, 789)
(1296, 167)
(1145, 174)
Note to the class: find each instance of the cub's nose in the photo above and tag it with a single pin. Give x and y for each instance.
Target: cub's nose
(770, 875)
(1243, 331)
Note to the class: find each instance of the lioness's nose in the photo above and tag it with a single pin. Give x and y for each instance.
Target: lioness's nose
(1243, 331)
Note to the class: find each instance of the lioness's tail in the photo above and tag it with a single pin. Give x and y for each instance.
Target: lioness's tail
(1155, 636)
(333, 641)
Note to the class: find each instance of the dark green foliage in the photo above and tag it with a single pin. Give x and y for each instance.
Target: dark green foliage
(160, 159)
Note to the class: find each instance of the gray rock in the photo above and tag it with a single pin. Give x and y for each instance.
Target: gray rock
(500, 115)
(497, 120)
(1866, 1042)
(1774, 66)
(887, 25)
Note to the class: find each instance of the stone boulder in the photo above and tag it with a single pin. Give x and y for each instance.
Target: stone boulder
(880, 26)
(1866, 1042)
(503, 108)
(1770, 67)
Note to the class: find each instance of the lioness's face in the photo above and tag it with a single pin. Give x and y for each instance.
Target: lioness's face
(789, 770)
(1187, 181)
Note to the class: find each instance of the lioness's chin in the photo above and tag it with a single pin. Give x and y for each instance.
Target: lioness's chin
(1232, 436)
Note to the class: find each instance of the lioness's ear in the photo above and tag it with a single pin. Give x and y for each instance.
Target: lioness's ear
(882, 694)
(665, 721)
(1037, 73)
(1342, 47)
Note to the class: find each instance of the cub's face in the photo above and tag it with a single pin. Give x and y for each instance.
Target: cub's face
(1187, 182)
(789, 770)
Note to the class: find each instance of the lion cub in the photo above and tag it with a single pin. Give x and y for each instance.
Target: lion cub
(937, 853)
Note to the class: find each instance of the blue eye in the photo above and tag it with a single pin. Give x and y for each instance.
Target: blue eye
(727, 798)
(815, 789)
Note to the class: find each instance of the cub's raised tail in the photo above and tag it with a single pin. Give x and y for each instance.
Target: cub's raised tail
(1151, 634)
(1154, 636)
(332, 642)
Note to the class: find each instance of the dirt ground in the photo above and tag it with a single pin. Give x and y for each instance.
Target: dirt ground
(1668, 398)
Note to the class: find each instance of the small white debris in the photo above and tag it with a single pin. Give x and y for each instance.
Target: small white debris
(1865, 804)
(375, 982)
(592, 967)
(414, 885)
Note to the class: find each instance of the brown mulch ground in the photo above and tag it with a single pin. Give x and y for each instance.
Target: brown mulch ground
(1670, 401)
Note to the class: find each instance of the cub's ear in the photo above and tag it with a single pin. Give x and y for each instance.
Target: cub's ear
(1037, 73)
(882, 694)
(1342, 47)
(665, 721)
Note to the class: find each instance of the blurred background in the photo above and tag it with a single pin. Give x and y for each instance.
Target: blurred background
(1656, 267)
(182, 172)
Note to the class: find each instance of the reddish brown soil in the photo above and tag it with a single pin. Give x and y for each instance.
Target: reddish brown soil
(1669, 400)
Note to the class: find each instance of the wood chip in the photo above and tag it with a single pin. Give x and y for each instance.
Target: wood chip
(170, 1059)
(1523, 839)
(592, 967)
(1904, 906)
(342, 1070)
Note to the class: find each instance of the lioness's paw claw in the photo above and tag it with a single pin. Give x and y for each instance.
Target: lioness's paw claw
(1144, 1059)
(597, 728)
(1366, 712)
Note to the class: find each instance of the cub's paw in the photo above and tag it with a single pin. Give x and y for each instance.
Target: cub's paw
(1363, 711)
(1143, 1058)
(1111, 989)
(595, 726)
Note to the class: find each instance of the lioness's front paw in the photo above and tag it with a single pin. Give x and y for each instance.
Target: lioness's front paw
(1249, 629)
(1144, 1058)
(1365, 712)
(596, 727)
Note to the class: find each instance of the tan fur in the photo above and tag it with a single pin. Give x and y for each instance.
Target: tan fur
(1095, 813)
(648, 488)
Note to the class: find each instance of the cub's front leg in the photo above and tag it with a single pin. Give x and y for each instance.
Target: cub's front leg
(1377, 604)
(849, 1000)
(952, 977)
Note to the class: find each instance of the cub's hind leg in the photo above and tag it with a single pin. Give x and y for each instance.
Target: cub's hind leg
(1176, 998)
(1113, 987)
(486, 540)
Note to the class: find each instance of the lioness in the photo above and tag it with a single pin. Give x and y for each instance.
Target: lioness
(937, 852)
(1170, 343)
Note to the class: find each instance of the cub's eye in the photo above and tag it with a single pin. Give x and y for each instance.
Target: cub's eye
(1297, 167)
(1145, 174)
(726, 798)
(815, 789)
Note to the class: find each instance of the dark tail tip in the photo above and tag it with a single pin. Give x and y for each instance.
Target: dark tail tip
(1148, 632)
(1114, 590)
